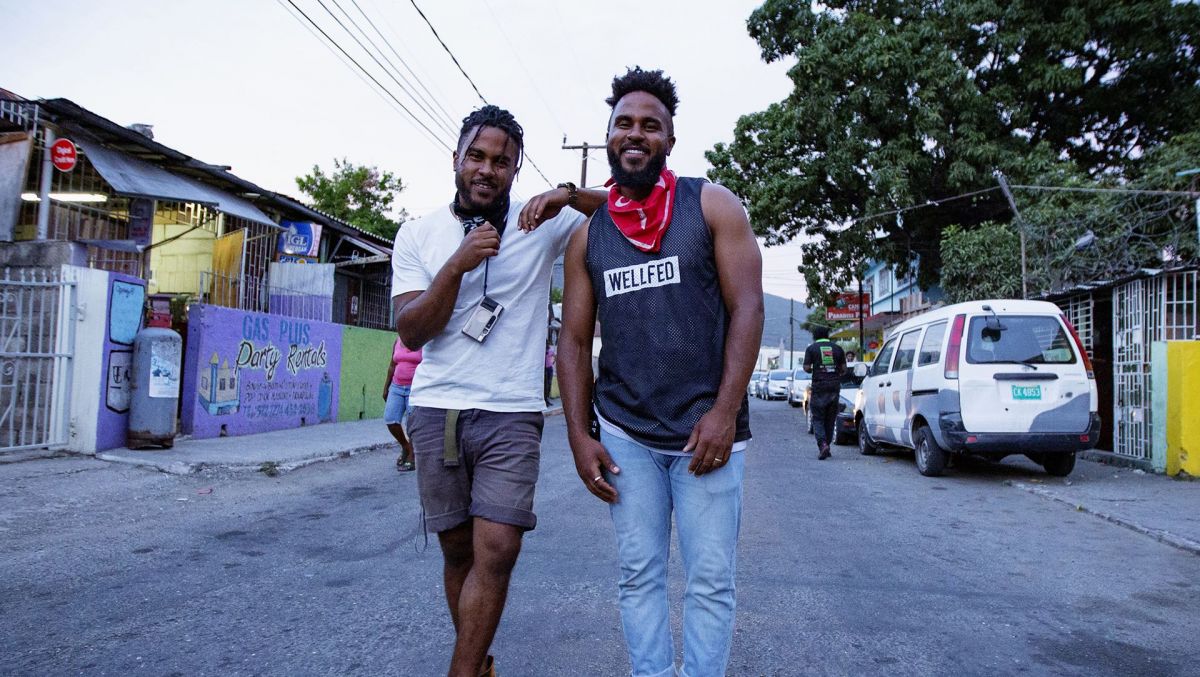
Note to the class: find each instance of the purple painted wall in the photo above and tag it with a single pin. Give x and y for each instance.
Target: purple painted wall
(123, 317)
(251, 372)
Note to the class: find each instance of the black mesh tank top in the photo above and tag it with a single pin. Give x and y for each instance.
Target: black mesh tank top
(662, 324)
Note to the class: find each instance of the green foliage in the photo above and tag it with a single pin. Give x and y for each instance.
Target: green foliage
(357, 194)
(902, 103)
(816, 318)
(556, 295)
(982, 263)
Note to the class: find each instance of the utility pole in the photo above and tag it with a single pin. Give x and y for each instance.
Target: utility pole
(582, 147)
(861, 345)
(792, 334)
(1012, 204)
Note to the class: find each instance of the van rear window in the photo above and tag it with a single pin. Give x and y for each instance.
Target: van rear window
(1032, 339)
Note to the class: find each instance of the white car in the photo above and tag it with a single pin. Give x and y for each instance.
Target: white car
(988, 378)
(777, 384)
(797, 387)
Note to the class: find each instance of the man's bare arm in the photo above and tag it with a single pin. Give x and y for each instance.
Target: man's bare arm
(547, 205)
(575, 368)
(739, 268)
(422, 315)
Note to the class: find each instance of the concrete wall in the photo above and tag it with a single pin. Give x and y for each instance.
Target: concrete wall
(1183, 407)
(252, 372)
(364, 375)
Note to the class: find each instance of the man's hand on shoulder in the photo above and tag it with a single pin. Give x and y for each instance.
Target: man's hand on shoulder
(549, 204)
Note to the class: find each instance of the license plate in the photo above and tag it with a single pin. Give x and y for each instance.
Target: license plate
(1027, 392)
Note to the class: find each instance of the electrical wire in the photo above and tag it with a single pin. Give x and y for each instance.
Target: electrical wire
(413, 118)
(368, 52)
(452, 57)
(473, 86)
(341, 57)
(408, 68)
(415, 96)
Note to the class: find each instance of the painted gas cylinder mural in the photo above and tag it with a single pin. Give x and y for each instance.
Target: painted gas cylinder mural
(252, 372)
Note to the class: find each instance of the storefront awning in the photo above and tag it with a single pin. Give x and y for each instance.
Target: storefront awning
(136, 178)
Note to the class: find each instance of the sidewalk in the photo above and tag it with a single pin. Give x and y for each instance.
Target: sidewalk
(273, 452)
(1158, 506)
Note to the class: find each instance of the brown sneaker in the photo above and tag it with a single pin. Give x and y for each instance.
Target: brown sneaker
(824, 453)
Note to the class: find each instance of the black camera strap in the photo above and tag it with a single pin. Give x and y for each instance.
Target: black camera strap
(473, 218)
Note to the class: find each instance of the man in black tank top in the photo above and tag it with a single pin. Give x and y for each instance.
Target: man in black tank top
(671, 269)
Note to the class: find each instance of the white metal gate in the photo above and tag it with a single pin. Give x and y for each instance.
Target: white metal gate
(36, 345)
(1131, 370)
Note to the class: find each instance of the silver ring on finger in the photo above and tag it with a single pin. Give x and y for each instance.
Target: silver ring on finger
(598, 478)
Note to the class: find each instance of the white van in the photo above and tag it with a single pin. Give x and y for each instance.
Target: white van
(989, 378)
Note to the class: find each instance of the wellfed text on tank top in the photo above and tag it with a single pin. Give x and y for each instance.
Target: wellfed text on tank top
(641, 276)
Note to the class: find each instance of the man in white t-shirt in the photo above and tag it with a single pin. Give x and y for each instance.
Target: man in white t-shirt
(469, 286)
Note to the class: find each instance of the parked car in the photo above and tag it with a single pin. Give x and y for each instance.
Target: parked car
(797, 394)
(752, 386)
(776, 386)
(846, 428)
(760, 385)
(848, 392)
(987, 378)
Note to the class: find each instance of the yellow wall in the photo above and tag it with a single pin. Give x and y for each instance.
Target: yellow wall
(177, 265)
(1183, 407)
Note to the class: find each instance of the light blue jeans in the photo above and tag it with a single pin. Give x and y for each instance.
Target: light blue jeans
(708, 513)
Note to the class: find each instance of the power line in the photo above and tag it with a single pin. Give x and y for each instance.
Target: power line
(416, 96)
(329, 44)
(368, 52)
(408, 68)
(473, 86)
(930, 203)
(367, 73)
(1128, 191)
(521, 63)
(452, 57)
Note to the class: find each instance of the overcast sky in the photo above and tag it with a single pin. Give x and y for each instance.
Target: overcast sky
(245, 83)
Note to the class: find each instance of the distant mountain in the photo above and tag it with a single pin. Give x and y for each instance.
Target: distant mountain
(776, 325)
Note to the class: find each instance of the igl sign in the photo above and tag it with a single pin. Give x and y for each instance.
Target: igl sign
(301, 238)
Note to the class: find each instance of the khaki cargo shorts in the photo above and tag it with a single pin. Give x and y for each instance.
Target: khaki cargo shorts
(497, 456)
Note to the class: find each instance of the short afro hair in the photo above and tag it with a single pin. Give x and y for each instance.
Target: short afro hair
(653, 83)
(492, 116)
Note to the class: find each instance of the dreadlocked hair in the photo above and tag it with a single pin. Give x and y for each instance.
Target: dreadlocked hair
(653, 83)
(492, 116)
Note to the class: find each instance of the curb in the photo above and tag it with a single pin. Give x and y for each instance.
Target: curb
(1165, 537)
(280, 466)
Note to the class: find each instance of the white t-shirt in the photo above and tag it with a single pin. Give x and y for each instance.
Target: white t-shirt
(505, 372)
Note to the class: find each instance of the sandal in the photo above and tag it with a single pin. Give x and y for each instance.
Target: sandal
(404, 464)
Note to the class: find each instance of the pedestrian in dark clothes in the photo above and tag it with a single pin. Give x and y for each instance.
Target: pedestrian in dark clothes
(826, 361)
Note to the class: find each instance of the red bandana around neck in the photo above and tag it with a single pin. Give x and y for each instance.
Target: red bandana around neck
(644, 222)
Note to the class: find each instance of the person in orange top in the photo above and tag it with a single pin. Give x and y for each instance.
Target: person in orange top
(395, 393)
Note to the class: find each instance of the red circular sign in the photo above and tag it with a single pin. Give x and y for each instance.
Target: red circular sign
(63, 155)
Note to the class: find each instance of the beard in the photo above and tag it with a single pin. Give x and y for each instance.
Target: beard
(466, 202)
(645, 177)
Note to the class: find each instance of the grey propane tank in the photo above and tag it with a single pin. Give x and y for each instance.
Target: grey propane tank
(154, 398)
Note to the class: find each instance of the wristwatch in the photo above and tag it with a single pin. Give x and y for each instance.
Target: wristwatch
(572, 193)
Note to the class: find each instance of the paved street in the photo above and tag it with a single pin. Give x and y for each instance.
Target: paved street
(851, 566)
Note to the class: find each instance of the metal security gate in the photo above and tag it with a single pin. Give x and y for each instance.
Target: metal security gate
(1131, 369)
(36, 345)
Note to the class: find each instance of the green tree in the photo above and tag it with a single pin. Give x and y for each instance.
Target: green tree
(360, 195)
(983, 263)
(899, 103)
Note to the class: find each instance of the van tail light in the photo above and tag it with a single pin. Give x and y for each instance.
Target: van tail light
(1087, 361)
(955, 346)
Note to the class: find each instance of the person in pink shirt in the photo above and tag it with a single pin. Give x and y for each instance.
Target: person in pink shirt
(395, 393)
